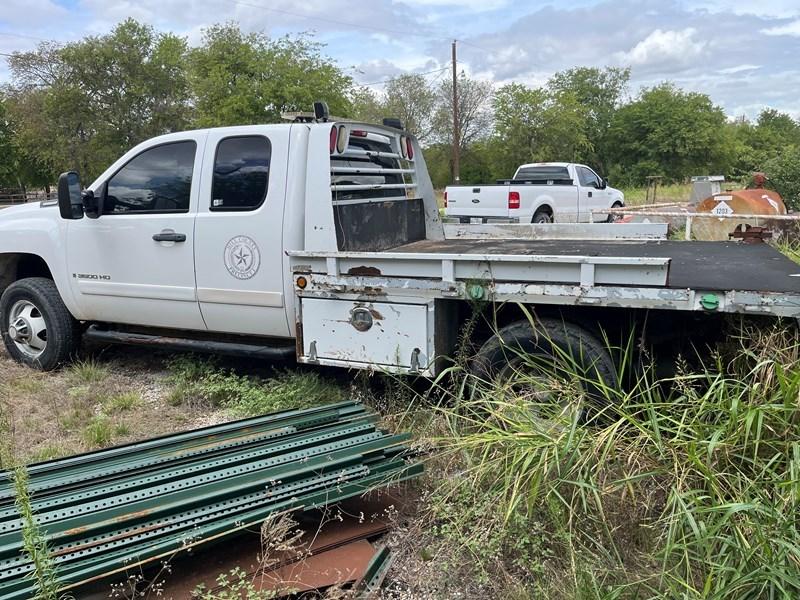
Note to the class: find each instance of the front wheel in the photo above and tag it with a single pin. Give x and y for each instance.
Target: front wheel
(36, 327)
(550, 363)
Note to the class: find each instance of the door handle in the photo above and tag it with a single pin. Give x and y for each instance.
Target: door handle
(590, 194)
(169, 236)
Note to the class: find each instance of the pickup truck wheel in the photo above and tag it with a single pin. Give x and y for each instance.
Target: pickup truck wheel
(611, 218)
(542, 216)
(557, 366)
(36, 327)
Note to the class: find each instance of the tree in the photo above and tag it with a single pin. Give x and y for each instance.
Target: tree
(410, 99)
(599, 92)
(474, 111)
(365, 106)
(783, 173)
(669, 132)
(239, 78)
(533, 124)
(82, 105)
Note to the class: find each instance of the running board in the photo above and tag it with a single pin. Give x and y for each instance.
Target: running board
(110, 336)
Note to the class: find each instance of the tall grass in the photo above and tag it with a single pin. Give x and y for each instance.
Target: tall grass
(687, 487)
(33, 540)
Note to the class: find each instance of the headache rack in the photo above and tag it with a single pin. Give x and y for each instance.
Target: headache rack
(374, 188)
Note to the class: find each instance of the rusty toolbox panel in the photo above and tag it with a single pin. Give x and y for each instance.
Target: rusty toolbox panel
(380, 333)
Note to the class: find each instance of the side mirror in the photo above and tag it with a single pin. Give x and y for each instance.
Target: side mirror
(604, 185)
(70, 202)
(91, 204)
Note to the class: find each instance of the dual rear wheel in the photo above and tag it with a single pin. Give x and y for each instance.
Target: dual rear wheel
(553, 365)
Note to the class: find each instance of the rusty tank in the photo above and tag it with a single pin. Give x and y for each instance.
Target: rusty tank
(758, 201)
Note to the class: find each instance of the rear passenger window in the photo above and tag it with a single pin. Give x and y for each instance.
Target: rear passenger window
(241, 173)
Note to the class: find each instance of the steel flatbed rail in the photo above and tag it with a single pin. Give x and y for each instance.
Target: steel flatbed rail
(728, 277)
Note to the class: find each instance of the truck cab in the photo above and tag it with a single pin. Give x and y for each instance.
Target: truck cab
(189, 232)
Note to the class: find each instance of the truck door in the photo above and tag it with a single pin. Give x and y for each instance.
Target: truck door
(239, 250)
(135, 263)
(590, 194)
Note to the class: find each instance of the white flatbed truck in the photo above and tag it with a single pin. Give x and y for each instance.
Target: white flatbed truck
(322, 241)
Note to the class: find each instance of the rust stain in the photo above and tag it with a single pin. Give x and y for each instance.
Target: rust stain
(376, 315)
(100, 542)
(134, 515)
(364, 271)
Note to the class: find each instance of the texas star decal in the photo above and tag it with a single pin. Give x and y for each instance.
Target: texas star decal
(242, 257)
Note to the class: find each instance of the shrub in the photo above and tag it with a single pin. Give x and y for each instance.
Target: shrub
(783, 173)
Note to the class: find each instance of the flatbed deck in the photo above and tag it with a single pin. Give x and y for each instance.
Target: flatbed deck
(719, 266)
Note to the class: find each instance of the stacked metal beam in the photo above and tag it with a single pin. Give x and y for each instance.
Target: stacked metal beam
(106, 512)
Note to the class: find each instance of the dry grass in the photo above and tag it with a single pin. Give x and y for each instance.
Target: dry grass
(116, 398)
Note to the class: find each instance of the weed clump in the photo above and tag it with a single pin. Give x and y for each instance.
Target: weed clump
(681, 487)
(244, 396)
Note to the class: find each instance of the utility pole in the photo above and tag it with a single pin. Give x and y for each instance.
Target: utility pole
(456, 132)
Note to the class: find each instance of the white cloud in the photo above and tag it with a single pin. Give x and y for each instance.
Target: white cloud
(662, 48)
(738, 69)
(792, 28)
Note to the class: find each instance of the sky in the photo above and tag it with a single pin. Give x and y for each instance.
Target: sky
(744, 54)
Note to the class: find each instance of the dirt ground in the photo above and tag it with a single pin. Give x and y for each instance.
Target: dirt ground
(112, 396)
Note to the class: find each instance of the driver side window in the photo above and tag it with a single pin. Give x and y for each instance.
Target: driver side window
(588, 178)
(159, 180)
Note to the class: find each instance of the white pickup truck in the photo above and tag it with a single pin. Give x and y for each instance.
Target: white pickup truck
(538, 193)
(321, 241)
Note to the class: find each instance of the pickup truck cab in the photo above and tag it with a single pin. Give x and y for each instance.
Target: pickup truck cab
(538, 193)
(322, 242)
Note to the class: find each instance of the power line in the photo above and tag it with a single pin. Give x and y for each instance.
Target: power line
(333, 21)
(391, 78)
(23, 35)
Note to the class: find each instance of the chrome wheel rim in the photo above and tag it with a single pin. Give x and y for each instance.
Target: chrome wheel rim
(27, 328)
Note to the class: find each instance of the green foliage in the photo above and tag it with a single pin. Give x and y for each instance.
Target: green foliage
(82, 105)
(245, 396)
(783, 174)
(234, 585)
(668, 132)
(121, 402)
(99, 432)
(34, 542)
(680, 488)
(535, 125)
(599, 93)
(87, 371)
(242, 78)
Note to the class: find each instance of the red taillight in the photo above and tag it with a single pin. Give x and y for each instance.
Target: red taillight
(334, 137)
(358, 133)
(513, 199)
(410, 149)
(445, 198)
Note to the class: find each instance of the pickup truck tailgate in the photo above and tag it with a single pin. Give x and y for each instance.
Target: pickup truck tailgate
(479, 201)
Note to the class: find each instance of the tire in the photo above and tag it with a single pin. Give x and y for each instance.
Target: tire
(541, 216)
(550, 342)
(36, 327)
(613, 217)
